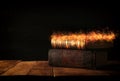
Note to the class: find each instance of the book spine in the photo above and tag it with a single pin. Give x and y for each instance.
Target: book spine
(71, 58)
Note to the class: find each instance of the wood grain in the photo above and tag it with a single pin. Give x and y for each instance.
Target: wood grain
(42, 68)
(7, 64)
(78, 72)
(21, 68)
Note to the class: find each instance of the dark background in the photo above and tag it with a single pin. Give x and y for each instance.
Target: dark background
(25, 28)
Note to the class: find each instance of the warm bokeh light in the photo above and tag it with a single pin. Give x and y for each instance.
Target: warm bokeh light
(79, 40)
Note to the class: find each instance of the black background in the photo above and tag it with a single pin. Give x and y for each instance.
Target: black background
(25, 28)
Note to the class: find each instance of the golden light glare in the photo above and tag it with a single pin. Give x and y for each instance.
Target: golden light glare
(79, 40)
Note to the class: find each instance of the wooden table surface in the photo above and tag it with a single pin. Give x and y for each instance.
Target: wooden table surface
(42, 68)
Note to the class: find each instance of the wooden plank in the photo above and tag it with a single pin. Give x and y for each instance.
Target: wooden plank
(58, 71)
(41, 65)
(7, 64)
(41, 69)
(40, 72)
(21, 68)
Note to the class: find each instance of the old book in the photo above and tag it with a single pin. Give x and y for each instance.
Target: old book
(99, 45)
(76, 58)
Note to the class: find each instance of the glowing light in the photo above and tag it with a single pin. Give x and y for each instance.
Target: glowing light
(79, 40)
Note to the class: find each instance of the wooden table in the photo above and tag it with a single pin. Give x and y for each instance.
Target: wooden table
(42, 68)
